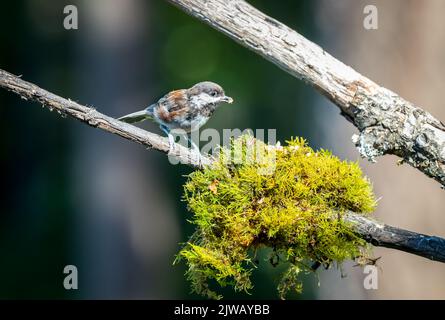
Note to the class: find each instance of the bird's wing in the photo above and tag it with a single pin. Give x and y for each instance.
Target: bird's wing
(172, 105)
(175, 100)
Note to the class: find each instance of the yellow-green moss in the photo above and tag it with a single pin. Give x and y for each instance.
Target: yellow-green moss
(287, 198)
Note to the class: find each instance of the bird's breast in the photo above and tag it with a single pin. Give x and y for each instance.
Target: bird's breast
(187, 120)
(192, 122)
(198, 121)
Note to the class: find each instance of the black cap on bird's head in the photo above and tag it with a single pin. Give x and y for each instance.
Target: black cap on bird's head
(213, 90)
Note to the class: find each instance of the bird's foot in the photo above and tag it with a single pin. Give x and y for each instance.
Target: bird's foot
(197, 153)
(199, 159)
(171, 144)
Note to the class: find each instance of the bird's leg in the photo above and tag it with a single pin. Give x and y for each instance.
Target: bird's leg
(196, 149)
(171, 139)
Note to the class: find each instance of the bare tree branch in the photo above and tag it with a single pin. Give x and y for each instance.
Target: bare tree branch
(92, 117)
(382, 235)
(376, 233)
(387, 123)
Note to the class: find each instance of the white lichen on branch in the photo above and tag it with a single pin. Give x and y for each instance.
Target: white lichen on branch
(389, 124)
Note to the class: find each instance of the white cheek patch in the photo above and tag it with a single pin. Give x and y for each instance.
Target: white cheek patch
(204, 99)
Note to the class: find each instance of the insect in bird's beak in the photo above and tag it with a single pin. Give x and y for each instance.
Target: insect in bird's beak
(227, 99)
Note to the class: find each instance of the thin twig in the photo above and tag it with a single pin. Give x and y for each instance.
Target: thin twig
(376, 233)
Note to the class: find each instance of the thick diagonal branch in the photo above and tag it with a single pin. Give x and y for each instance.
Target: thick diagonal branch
(387, 123)
(376, 233)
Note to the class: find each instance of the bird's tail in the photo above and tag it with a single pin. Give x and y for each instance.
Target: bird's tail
(138, 116)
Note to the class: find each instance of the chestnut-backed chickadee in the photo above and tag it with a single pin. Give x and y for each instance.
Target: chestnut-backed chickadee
(186, 109)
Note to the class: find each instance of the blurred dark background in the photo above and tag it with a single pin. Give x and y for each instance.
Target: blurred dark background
(75, 195)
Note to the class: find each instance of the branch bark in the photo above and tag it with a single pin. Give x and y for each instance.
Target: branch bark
(383, 235)
(387, 123)
(376, 233)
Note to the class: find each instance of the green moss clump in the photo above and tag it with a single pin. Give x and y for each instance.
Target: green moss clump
(290, 199)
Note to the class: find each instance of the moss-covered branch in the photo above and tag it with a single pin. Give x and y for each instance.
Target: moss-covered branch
(290, 199)
(307, 206)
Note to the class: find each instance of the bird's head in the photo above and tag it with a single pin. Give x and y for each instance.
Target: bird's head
(207, 94)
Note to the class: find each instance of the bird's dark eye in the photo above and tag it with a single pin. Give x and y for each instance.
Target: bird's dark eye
(213, 93)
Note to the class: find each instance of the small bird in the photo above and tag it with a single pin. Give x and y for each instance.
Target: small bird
(186, 109)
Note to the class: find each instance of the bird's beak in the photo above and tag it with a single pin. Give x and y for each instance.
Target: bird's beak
(227, 99)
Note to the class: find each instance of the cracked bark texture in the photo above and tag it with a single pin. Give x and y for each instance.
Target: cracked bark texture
(387, 123)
